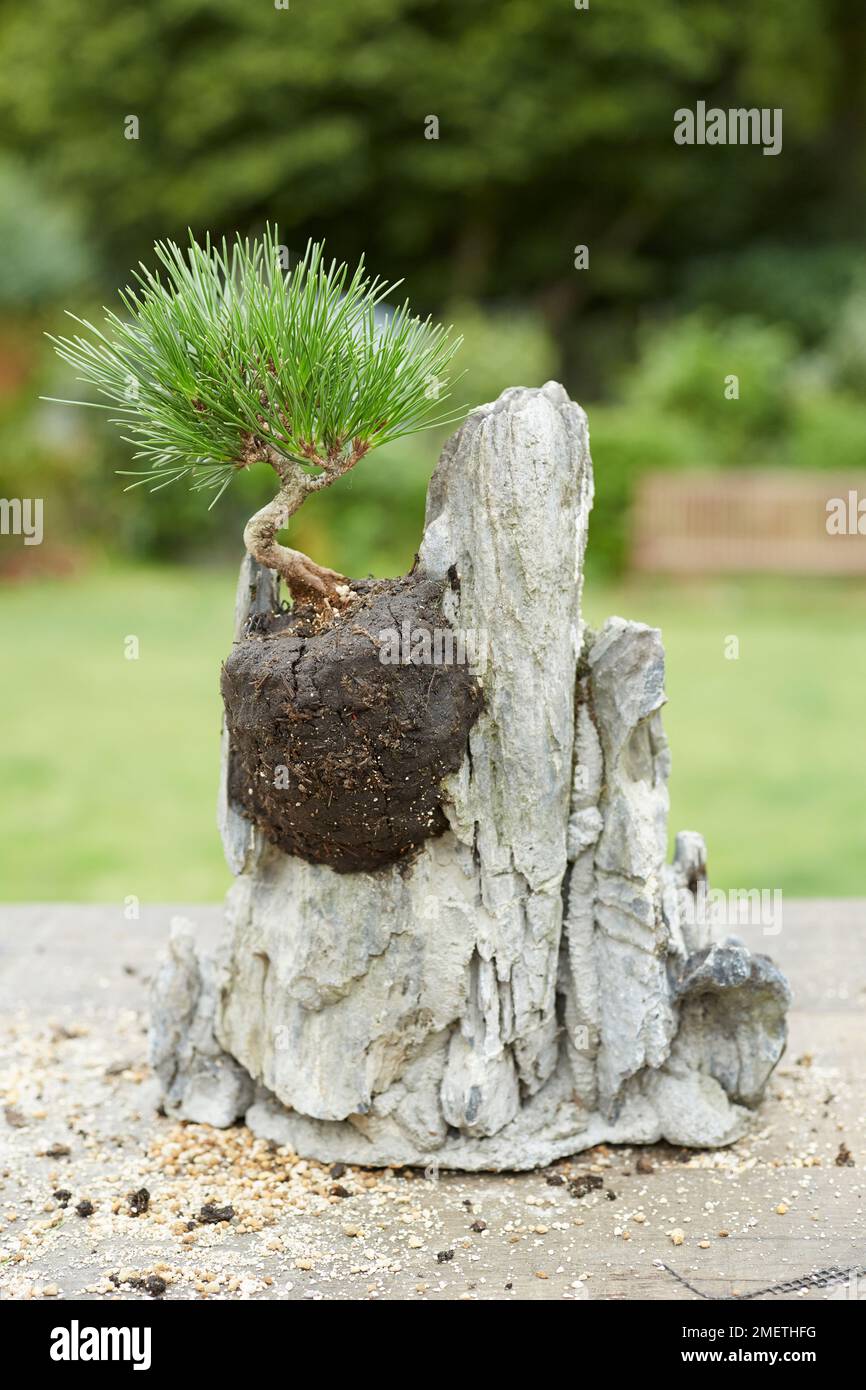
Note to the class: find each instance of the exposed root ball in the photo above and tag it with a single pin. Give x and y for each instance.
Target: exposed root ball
(336, 755)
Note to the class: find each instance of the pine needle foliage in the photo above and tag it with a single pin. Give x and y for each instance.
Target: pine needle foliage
(223, 357)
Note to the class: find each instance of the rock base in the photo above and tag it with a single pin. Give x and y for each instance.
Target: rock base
(733, 1020)
(537, 978)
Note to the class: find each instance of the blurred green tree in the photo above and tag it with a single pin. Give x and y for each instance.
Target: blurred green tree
(555, 128)
(45, 254)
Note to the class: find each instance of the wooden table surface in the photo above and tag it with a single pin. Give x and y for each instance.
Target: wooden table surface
(73, 1000)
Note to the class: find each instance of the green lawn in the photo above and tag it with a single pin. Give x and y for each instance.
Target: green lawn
(108, 766)
(769, 750)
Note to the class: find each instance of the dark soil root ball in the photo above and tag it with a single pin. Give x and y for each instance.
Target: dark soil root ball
(336, 753)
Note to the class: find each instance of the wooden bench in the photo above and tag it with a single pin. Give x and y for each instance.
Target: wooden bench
(739, 522)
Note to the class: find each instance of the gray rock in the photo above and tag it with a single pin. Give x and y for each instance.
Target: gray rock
(200, 1081)
(732, 1017)
(535, 981)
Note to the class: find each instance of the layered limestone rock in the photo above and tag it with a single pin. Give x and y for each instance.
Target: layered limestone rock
(535, 980)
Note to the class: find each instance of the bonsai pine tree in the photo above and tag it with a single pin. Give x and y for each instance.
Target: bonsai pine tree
(224, 359)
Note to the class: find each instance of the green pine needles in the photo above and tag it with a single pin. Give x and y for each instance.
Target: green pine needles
(225, 358)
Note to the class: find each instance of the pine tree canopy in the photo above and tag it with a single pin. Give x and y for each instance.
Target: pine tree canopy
(223, 357)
